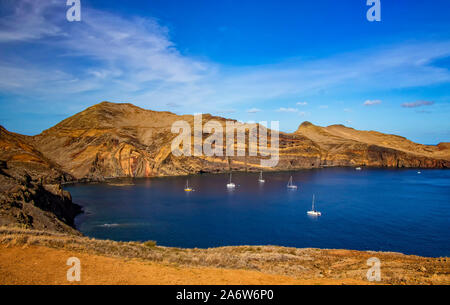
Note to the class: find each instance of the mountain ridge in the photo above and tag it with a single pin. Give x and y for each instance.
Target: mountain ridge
(124, 140)
(111, 140)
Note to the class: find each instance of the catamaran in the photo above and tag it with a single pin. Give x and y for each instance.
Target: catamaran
(313, 211)
(187, 188)
(231, 185)
(290, 185)
(261, 180)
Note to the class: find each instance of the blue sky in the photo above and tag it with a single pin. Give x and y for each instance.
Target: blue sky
(291, 61)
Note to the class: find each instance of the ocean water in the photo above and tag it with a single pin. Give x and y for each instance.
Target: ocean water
(373, 209)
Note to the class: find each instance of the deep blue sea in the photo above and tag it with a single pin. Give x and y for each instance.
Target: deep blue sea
(373, 209)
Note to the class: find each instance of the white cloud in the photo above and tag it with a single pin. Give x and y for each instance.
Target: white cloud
(417, 104)
(107, 57)
(283, 109)
(254, 110)
(372, 102)
(128, 55)
(31, 20)
(323, 106)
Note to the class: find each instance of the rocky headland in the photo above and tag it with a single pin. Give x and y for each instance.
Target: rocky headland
(121, 140)
(110, 140)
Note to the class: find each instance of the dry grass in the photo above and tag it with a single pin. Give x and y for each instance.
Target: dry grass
(297, 263)
(42, 265)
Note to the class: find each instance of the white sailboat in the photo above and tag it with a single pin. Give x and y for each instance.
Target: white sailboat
(290, 185)
(231, 185)
(358, 168)
(187, 188)
(261, 180)
(313, 211)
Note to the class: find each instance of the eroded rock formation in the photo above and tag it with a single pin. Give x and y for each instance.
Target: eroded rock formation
(117, 140)
(121, 140)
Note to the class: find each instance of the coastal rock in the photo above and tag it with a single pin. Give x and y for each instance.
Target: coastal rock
(111, 140)
(30, 188)
(121, 140)
(344, 146)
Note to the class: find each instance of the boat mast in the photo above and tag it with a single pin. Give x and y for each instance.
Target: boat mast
(313, 204)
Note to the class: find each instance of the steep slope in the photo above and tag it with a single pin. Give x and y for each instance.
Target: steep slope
(118, 140)
(391, 141)
(346, 146)
(30, 192)
(122, 140)
(107, 140)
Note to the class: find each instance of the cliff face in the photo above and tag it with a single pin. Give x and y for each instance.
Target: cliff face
(30, 189)
(344, 146)
(121, 140)
(117, 140)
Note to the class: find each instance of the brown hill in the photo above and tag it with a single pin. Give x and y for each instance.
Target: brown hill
(121, 140)
(117, 140)
(346, 147)
(341, 133)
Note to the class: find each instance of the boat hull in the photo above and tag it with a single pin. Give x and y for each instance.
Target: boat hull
(314, 213)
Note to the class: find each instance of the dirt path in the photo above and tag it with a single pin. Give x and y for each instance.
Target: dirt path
(42, 265)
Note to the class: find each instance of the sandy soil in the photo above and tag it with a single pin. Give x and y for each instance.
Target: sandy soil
(42, 265)
(39, 257)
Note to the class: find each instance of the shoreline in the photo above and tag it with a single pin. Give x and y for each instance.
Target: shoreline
(108, 179)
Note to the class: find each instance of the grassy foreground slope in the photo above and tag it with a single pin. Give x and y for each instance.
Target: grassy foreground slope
(38, 257)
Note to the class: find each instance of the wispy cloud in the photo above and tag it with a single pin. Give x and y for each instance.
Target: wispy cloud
(283, 109)
(417, 104)
(30, 20)
(372, 102)
(323, 106)
(134, 59)
(124, 58)
(254, 110)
